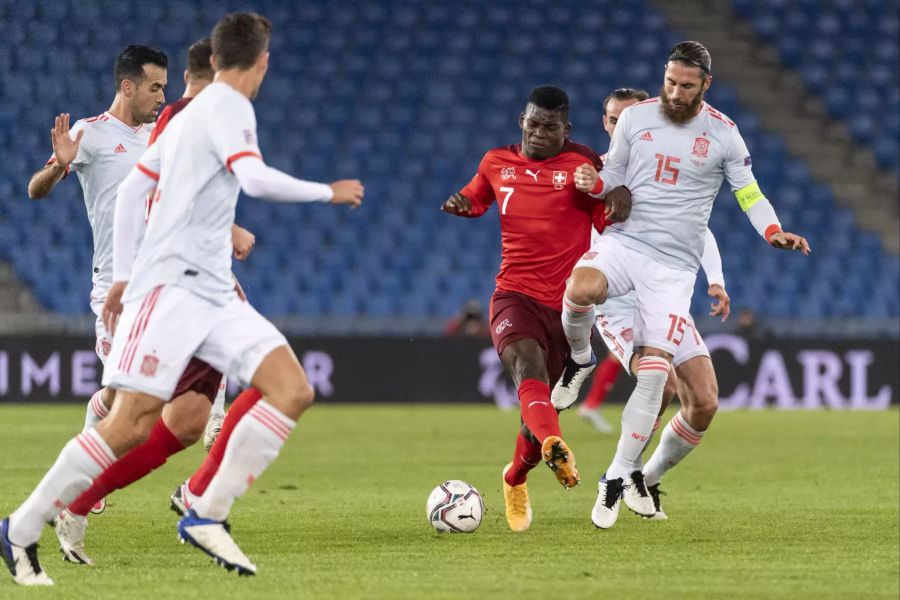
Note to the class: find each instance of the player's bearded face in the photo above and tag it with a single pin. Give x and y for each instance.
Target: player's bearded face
(543, 132)
(681, 94)
(149, 94)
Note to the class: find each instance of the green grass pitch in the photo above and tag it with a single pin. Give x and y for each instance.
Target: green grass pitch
(772, 505)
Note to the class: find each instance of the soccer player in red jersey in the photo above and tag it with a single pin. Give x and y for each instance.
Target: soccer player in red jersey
(183, 420)
(546, 227)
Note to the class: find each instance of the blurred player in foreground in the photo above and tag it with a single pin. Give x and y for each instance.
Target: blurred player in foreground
(672, 152)
(546, 226)
(181, 302)
(184, 418)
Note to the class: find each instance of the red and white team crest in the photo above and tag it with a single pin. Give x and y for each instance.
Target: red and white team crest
(627, 334)
(701, 147)
(559, 179)
(148, 367)
(589, 256)
(507, 173)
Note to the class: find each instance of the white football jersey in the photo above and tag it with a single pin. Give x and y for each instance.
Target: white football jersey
(108, 151)
(188, 237)
(674, 173)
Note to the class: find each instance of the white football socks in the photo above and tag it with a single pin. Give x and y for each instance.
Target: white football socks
(577, 322)
(83, 459)
(677, 440)
(639, 463)
(255, 442)
(218, 407)
(640, 413)
(96, 410)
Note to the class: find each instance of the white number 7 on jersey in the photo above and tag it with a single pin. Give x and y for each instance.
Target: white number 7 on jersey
(509, 192)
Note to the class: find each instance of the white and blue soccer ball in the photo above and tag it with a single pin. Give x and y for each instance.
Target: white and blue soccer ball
(454, 506)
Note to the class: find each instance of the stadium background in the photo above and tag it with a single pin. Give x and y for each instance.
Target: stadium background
(407, 96)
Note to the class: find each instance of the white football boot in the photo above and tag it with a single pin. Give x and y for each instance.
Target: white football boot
(637, 498)
(23, 563)
(214, 539)
(70, 531)
(213, 427)
(606, 508)
(565, 392)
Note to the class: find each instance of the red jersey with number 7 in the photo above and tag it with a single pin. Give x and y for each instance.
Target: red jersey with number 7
(545, 223)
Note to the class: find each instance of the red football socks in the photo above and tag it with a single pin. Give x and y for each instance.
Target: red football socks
(527, 457)
(537, 412)
(604, 379)
(241, 405)
(152, 454)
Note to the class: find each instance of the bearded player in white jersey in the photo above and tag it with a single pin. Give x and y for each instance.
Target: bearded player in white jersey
(102, 150)
(673, 153)
(615, 322)
(180, 302)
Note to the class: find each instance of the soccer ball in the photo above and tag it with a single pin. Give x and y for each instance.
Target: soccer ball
(454, 506)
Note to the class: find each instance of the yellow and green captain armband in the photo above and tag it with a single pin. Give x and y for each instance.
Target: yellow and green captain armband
(749, 195)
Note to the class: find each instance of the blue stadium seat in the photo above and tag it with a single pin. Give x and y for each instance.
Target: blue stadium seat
(409, 104)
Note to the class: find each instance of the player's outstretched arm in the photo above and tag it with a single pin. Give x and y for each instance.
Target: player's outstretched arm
(457, 204)
(259, 180)
(65, 149)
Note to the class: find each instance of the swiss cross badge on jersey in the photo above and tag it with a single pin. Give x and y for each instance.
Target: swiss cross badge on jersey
(507, 173)
(559, 179)
(701, 147)
(149, 365)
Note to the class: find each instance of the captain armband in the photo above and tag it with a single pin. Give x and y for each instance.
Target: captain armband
(749, 195)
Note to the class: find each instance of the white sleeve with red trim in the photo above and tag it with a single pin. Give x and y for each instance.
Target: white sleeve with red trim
(234, 137)
(616, 163)
(711, 261)
(259, 180)
(129, 223)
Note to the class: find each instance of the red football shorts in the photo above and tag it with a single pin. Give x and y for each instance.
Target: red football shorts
(516, 317)
(199, 377)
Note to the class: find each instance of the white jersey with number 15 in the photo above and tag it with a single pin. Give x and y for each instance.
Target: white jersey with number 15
(674, 173)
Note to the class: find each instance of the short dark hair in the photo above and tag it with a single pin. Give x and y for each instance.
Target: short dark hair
(198, 59)
(625, 94)
(550, 97)
(693, 54)
(239, 39)
(130, 64)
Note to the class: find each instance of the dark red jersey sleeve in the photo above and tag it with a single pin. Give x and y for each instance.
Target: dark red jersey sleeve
(165, 116)
(161, 121)
(480, 191)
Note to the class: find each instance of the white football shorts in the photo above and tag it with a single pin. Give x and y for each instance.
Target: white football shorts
(160, 332)
(662, 295)
(615, 320)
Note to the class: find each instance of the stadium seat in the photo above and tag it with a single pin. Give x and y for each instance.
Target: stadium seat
(409, 104)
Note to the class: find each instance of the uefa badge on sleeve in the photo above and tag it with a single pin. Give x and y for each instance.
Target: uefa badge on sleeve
(559, 179)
